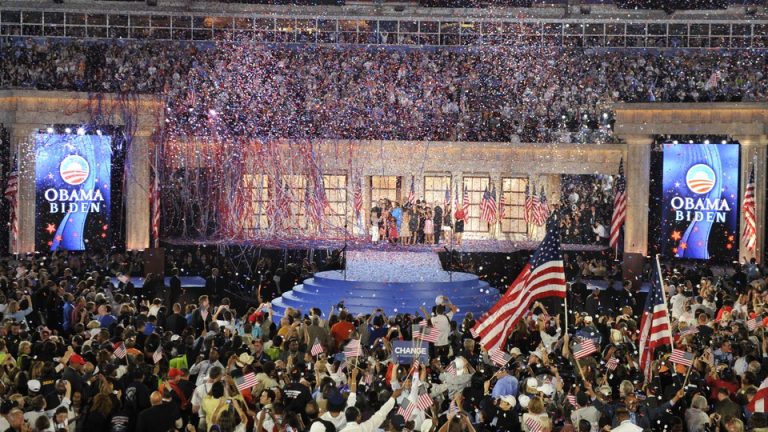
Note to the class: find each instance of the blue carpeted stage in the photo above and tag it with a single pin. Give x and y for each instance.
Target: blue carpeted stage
(396, 281)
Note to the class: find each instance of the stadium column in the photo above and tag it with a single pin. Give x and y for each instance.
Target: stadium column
(138, 193)
(638, 170)
(22, 135)
(753, 148)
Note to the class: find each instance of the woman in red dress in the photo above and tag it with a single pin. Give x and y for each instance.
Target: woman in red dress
(458, 229)
(392, 228)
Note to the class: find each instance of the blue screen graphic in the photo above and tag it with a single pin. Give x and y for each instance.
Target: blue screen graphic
(700, 201)
(72, 188)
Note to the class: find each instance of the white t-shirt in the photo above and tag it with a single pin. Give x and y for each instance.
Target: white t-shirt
(443, 324)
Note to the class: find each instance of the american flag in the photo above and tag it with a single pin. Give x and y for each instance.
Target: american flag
(712, 81)
(654, 325)
(759, 402)
(499, 357)
(11, 194)
(451, 369)
(681, 357)
(317, 348)
(120, 351)
(691, 330)
(619, 207)
(612, 364)
(156, 209)
(754, 323)
(358, 197)
(157, 355)
(528, 209)
(246, 381)
(748, 207)
(584, 348)
(533, 425)
(465, 201)
(406, 409)
(502, 205)
(368, 379)
(535, 212)
(353, 349)
(428, 334)
(488, 206)
(572, 400)
(424, 401)
(540, 209)
(543, 276)
(412, 193)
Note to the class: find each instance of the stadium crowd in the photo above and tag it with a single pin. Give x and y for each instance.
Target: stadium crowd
(531, 94)
(81, 353)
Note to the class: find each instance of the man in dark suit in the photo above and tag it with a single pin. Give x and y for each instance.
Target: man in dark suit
(437, 219)
(175, 291)
(202, 316)
(215, 285)
(162, 416)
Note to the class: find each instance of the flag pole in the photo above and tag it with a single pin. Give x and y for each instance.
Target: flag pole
(664, 297)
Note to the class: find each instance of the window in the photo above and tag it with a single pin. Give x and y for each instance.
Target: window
(257, 187)
(385, 187)
(513, 190)
(475, 188)
(336, 191)
(435, 188)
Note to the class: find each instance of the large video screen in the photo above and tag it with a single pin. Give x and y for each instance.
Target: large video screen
(73, 183)
(700, 201)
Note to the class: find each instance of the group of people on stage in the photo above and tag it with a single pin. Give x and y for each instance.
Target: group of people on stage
(418, 223)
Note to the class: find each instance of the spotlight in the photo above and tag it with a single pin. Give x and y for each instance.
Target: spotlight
(706, 141)
(80, 131)
(674, 142)
(723, 142)
(98, 132)
(690, 141)
(68, 130)
(49, 130)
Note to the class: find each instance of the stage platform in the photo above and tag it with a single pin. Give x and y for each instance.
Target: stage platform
(357, 243)
(396, 281)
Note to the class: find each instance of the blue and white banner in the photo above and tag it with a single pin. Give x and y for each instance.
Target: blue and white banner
(700, 201)
(404, 352)
(73, 175)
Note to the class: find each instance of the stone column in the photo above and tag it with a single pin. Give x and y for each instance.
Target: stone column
(638, 171)
(23, 148)
(495, 232)
(137, 193)
(753, 150)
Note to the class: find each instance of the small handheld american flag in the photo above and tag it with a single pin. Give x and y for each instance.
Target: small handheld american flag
(499, 357)
(406, 409)
(612, 364)
(158, 355)
(353, 349)
(246, 381)
(533, 425)
(424, 401)
(754, 323)
(572, 400)
(585, 348)
(682, 357)
(429, 334)
(451, 369)
(317, 348)
(120, 351)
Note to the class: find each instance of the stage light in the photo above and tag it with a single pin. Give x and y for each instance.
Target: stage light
(80, 131)
(690, 141)
(724, 142)
(49, 130)
(674, 142)
(98, 132)
(68, 130)
(706, 141)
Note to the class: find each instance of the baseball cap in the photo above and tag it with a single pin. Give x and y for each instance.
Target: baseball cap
(33, 386)
(398, 422)
(76, 359)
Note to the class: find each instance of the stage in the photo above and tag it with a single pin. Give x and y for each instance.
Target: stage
(357, 243)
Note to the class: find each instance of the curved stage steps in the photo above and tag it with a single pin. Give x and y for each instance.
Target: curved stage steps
(410, 280)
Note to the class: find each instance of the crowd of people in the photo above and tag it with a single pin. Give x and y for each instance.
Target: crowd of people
(531, 94)
(586, 203)
(417, 223)
(81, 352)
